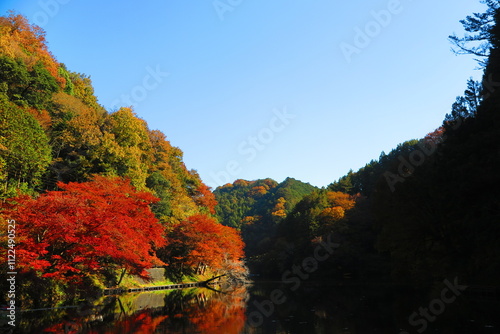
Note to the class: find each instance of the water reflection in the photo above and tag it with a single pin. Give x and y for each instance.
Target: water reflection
(322, 309)
(194, 310)
(357, 309)
(270, 307)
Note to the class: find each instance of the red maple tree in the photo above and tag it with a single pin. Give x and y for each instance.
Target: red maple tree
(201, 240)
(86, 227)
(205, 198)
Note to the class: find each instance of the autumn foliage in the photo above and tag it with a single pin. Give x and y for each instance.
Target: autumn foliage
(205, 198)
(224, 314)
(200, 241)
(93, 190)
(174, 312)
(85, 228)
(19, 39)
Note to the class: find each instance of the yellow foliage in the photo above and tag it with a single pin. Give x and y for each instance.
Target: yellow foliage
(333, 214)
(279, 208)
(337, 198)
(20, 39)
(258, 191)
(279, 213)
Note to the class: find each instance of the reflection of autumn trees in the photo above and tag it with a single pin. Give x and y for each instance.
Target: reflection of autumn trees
(174, 312)
(224, 314)
(198, 311)
(144, 322)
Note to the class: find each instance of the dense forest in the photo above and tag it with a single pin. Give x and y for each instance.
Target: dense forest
(256, 207)
(93, 194)
(427, 210)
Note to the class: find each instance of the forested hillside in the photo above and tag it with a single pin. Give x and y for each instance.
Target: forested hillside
(427, 210)
(434, 202)
(93, 192)
(242, 199)
(256, 207)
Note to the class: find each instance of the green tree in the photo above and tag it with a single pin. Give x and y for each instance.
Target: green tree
(83, 90)
(76, 136)
(27, 87)
(479, 33)
(126, 149)
(24, 147)
(467, 105)
(69, 87)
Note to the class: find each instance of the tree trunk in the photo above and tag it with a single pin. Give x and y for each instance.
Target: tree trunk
(121, 276)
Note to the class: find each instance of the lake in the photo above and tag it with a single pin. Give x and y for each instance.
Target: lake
(274, 307)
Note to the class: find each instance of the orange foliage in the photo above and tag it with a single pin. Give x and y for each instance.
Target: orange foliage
(335, 213)
(208, 242)
(279, 208)
(240, 183)
(435, 136)
(337, 198)
(205, 198)
(258, 191)
(221, 315)
(142, 323)
(42, 116)
(198, 312)
(20, 39)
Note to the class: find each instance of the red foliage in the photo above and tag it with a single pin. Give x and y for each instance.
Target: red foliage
(86, 227)
(204, 197)
(435, 136)
(205, 241)
(42, 116)
(221, 315)
(141, 323)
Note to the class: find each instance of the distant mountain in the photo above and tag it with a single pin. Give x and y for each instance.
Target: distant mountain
(257, 207)
(266, 198)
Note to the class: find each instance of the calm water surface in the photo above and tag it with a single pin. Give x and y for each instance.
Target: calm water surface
(272, 307)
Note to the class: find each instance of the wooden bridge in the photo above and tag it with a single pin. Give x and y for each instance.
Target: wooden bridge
(117, 291)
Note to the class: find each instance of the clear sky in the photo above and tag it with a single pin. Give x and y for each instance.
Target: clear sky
(256, 89)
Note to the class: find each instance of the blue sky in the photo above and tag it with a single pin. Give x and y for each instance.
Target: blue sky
(256, 89)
